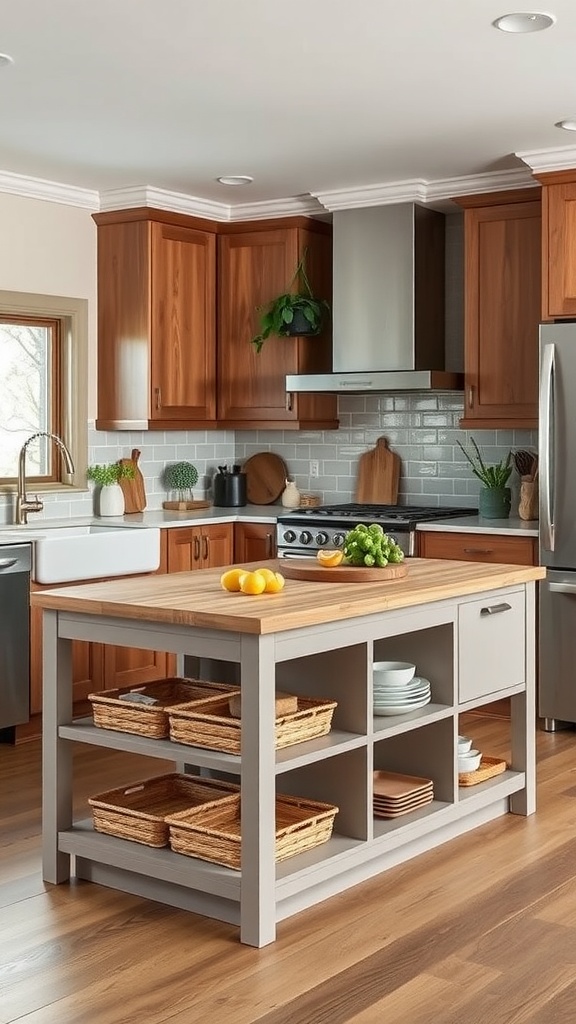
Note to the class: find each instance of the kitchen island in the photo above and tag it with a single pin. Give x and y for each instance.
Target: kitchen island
(468, 627)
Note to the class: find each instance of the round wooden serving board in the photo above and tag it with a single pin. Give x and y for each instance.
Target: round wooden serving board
(305, 569)
(266, 475)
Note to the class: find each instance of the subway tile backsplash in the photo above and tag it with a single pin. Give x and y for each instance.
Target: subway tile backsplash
(421, 428)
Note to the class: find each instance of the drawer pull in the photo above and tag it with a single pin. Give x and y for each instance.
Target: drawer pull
(494, 609)
(478, 551)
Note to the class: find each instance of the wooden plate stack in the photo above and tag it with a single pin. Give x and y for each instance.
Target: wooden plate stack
(396, 794)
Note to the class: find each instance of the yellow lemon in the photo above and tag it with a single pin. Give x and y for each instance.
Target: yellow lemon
(252, 583)
(275, 584)
(330, 558)
(230, 580)
(266, 573)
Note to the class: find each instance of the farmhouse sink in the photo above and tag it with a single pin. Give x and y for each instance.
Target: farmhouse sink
(88, 552)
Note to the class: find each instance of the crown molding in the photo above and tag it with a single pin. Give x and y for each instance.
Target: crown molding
(418, 190)
(563, 159)
(177, 202)
(48, 191)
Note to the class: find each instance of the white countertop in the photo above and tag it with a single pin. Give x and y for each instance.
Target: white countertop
(511, 527)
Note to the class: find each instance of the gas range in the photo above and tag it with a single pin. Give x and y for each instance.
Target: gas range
(305, 530)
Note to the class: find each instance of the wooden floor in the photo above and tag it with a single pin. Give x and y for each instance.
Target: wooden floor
(479, 931)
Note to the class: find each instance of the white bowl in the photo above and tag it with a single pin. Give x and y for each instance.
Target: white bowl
(464, 744)
(397, 672)
(470, 761)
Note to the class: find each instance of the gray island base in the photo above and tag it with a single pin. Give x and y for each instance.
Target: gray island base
(469, 629)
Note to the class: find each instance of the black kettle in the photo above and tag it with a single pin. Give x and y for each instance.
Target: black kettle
(229, 488)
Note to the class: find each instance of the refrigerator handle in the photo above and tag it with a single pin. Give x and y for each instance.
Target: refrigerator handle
(562, 588)
(546, 440)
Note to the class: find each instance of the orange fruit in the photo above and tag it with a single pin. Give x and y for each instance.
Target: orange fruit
(329, 558)
(266, 573)
(275, 583)
(252, 583)
(230, 580)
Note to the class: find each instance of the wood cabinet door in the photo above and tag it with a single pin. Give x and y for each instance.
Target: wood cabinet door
(87, 663)
(559, 249)
(200, 547)
(127, 666)
(254, 542)
(478, 547)
(502, 314)
(253, 268)
(183, 317)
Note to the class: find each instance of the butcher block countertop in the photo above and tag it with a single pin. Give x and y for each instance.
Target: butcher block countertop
(197, 599)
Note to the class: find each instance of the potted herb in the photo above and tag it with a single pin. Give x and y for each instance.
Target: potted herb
(180, 477)
(107, 476)
(494, 501)
(293, 314)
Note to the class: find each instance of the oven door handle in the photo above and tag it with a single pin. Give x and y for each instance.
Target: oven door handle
(297, 554)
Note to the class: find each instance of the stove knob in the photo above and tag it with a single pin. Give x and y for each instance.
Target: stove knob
(338, 540)
(305, 537)
(321, 538)
(289, 536)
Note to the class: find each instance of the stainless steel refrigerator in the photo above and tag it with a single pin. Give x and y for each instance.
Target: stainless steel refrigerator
(557, 511)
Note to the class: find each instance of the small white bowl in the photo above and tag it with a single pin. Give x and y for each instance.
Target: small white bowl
(464, 744)
(398, 672)
(470, 761)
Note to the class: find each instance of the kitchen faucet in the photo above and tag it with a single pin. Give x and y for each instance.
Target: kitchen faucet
(23, 504)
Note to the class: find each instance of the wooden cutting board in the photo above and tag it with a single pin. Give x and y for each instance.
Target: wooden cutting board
(266, 475)
(378, 476)
(305, 569)
(133, 490)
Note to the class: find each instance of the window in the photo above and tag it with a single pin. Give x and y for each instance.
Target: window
(43, 355)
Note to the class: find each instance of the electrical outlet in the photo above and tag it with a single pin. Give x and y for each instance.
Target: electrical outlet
(314, 468)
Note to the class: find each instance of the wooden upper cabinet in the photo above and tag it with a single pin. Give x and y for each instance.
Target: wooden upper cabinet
(256, 263)
(156, 321)
(502, 233)
(558, 244)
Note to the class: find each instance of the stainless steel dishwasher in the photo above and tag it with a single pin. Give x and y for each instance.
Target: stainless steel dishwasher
(15, 565)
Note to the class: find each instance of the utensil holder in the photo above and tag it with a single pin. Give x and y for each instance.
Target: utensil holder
(528, 505)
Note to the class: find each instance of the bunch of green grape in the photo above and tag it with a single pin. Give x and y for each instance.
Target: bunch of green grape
(369, 545)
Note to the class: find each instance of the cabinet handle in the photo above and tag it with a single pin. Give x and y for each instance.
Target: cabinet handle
(288, 401)
(268, 545)
(196, 549)
(470, 395)
(478, 551)
(158, 394)
(206, 547)
(494, 609)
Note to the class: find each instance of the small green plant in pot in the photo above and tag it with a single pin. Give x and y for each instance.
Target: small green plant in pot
(494, 500)
(293, 314)
(110, 473)
(180, 477)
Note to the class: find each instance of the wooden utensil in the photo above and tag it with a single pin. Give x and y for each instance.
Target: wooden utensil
(133, 490)
(266, 475)
(378, 476)
(306, 569)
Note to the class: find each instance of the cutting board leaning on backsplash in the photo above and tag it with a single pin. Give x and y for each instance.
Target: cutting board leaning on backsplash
(378, 475)
(133, 490)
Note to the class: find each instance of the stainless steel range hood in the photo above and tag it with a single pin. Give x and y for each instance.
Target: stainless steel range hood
(388, 304)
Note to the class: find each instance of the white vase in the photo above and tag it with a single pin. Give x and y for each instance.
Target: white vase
(290, 495)
(111, 500)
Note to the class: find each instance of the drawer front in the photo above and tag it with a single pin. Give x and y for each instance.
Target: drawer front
(478, 547)
(492, 640)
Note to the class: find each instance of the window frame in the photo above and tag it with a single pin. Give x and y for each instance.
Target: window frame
(71, 388)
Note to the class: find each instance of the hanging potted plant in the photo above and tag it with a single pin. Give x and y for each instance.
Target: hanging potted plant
(295, 314)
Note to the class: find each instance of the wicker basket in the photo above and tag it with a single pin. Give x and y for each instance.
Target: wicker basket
(151, 720)
(488, 768)
(310, 500)
(137, 812)
(213, 832)
(211, 724)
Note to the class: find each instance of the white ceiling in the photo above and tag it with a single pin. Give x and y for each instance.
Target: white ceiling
(306, 96)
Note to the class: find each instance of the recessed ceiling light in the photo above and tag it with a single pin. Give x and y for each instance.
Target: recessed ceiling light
(5, 59)
(235, 179)
(569, 124)
(527, 21)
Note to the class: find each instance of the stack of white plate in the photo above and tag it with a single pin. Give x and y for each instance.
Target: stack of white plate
(400, 698)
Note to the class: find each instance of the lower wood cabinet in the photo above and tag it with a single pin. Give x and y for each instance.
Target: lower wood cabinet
(254, 542)
(478, 547)
(200, 547)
